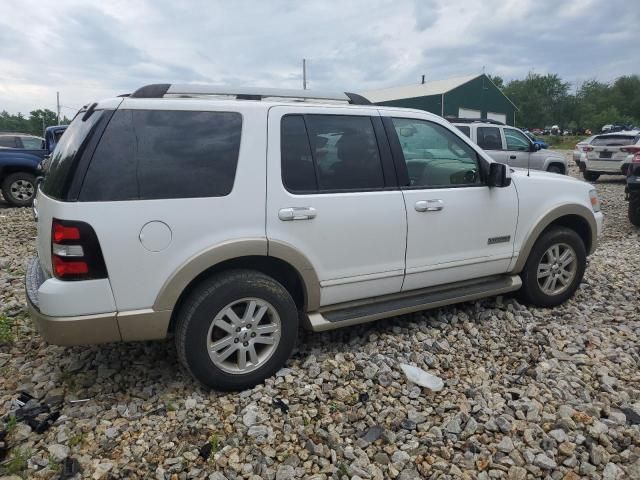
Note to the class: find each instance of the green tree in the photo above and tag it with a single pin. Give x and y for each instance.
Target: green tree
(541, 99)
(497, 80)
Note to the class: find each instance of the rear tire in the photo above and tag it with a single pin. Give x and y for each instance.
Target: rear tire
(19, 189)
(554, 269)
(634, 208)
(236, 329)
(555, 169)
(590, 176)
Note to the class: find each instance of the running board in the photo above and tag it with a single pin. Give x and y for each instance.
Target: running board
(362, 311)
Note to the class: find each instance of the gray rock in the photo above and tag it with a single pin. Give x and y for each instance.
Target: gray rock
(516, 473)
(598, 455)
(59, 452)
(558, 435)
(611, 472)
(381, 458)
(372, 434)
(400, 457)
(285, 472)
(544, 462)
(506, 445)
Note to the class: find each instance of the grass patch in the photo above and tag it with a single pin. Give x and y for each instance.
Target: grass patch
(562, 143)
(11, 424)
(214, 441)
(76, 440)
(6, 329)
(18, 462)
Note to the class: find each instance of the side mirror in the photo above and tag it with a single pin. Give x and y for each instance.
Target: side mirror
(499, 175)
(535, 147)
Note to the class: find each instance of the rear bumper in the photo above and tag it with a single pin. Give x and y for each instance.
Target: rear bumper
(67, 330)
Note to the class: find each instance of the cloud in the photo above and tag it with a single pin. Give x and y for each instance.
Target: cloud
(89, 50)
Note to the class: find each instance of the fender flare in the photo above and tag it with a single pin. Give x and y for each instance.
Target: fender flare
(232, 249)
(547, 219)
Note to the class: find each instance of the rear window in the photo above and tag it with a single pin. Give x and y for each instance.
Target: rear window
(489, 138)
(32, 143)
(153, 154)
(614, 140)
(67, 152)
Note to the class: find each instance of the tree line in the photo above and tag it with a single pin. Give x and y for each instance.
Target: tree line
(34, 124)
(545, 100)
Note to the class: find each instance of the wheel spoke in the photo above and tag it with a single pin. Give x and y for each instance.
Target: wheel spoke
(547, 283)
(265, 340)
(544, 270)
(224, 325)
(253, 355)
(248, 313)
(242, 358)
(231, 315)
(258, 316)
(221, 357)
(264, 329)
(215, 347)
(566, 258)
(554, 281)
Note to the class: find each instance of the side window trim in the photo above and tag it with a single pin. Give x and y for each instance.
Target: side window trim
(526, 138)
(401, 165)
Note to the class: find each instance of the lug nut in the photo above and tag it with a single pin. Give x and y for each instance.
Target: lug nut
(238, 330)
(253, 334)
(246, 344)
(235, 340)
(249, 325)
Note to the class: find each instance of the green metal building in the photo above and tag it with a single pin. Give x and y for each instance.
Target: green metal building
(473, 96)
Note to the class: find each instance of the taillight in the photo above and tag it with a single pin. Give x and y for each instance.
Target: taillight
(587, 149)
(75, 251)
(630, 149)
(636, 158)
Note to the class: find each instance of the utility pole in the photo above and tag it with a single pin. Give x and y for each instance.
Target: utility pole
(58, 105)
(304, 73)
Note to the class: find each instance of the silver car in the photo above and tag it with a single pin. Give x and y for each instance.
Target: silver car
(511, 146)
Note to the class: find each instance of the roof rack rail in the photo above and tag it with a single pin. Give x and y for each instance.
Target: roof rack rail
(473, 120)
(160, 90)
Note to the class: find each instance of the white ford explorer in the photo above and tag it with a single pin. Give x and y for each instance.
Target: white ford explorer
(230, 216)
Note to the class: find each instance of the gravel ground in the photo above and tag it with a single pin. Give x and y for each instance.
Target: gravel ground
(529, 393)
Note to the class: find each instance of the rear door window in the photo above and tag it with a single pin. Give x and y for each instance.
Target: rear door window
(489, 138)
(154, 154)
(330, 153)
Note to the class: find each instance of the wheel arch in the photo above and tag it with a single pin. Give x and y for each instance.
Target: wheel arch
(576, 217)
(279, 260)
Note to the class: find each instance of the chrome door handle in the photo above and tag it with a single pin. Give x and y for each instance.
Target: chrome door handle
(296, 213)
(429, 205)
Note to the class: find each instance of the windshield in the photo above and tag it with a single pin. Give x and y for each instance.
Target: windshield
(63, 158)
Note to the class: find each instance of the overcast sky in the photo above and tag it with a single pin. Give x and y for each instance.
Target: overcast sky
(89, 50)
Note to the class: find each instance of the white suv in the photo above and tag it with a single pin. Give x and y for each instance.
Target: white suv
(511, 146)
(228, 217)
(607, 155)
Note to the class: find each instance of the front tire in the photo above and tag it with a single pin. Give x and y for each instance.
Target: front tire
(555, 169)
(554, 269)
(634, 208)
(236, 329)
(19, 189)
(590, 176)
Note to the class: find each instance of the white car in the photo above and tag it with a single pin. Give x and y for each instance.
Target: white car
(511, 146)
(579, 149)
(231, 216)
(607, 155)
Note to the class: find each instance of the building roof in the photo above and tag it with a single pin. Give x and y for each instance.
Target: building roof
(435, 87)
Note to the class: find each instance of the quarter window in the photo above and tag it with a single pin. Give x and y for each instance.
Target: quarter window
(329, 153)
(464, 129)
(152, 154)
(516, 140)
(489, 138)
(435, 156)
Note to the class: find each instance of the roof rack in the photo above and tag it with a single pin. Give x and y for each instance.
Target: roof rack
(161, 90)
(473, 120)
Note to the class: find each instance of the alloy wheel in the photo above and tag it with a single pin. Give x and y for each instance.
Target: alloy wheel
(22, 190)
(244, 335)
(557, 269)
